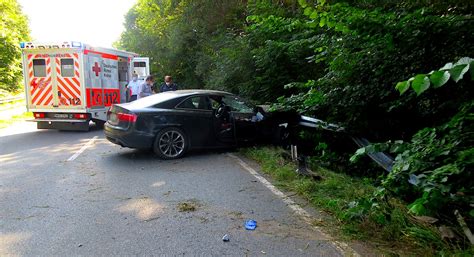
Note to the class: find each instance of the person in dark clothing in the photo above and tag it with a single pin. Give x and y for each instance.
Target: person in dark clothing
(168, 85)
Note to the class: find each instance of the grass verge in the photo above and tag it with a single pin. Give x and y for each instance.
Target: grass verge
(385, 225)
(13, 104)
(16, 118)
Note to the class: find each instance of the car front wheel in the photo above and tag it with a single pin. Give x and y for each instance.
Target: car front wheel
(170, 143)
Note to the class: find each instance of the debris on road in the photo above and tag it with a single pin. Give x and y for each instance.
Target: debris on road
(151, 219)
(41, 206)
(250, 224)
(187, 206)
(122, 198)
(226, 238)
(203, 219)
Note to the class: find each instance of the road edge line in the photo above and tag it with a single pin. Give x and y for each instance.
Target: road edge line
(343, 247)
(83, 148)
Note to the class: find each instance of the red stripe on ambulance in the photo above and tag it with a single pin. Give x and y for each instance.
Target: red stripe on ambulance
(65, 88)
(103, 55)
(46, 92)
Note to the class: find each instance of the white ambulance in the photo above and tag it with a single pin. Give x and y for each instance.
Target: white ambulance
(68, 84)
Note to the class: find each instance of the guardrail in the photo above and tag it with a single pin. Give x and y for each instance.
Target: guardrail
(10, 99)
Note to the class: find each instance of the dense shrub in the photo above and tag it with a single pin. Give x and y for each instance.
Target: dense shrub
(13, 30)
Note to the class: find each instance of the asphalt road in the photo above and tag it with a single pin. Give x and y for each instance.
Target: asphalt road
(111, 201)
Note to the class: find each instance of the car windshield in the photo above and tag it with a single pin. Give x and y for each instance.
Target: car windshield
(152, 100)
(237, 104)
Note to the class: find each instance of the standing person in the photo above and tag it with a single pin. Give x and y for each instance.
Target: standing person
(145, 89)
(168, 85)
(133, 86)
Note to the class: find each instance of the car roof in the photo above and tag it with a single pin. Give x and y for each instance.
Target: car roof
(197, 91)
(169, 95)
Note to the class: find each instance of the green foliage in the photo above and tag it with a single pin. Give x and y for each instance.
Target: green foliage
(183, 38)
(421, 82)
(434, 171)
(13, 30)
(366, 47)
(8, 121)
(435, 168)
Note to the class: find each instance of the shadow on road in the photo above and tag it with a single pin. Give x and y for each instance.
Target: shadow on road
(148, 154)
(26, 127)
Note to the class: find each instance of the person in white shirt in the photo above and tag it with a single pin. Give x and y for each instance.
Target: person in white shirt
(133, 86)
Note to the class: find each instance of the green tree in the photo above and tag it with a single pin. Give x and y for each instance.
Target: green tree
(176, 34)
(13, 30)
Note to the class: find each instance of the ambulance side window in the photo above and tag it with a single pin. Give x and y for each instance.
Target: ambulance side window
(39, 67)
(139, 64)
(139, 68)
(67, 67)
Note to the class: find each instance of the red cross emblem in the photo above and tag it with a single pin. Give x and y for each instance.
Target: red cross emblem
(96, 69)
(41, 83)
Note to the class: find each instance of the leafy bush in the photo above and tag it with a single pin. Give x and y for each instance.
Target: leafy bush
(434, 170)
(369, 46)
(13, 30)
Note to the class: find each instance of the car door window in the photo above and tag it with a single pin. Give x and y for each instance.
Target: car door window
(237, 105)
(215, 103)
(196, 103)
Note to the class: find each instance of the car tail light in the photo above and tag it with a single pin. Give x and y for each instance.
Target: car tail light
(127, 117)
(80, 116)
(39, 115)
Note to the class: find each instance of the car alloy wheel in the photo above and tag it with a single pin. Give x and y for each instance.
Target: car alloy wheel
(170, 143)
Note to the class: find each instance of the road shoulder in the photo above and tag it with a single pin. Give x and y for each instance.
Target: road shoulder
(319, 220)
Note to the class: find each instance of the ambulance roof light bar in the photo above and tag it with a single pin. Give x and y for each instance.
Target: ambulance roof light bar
(66, 44)
(76, 44)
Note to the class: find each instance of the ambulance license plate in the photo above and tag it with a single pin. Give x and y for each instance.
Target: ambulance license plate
(61, 115)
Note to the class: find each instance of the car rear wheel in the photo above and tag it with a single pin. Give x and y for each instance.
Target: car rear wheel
(170, 143)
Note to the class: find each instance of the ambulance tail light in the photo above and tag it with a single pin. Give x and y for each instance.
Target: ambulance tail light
(39, 115)
(127, 117)
(80, 116)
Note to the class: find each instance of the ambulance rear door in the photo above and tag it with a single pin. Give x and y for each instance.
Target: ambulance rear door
(39, 81)
(141, 67)
(68, 91)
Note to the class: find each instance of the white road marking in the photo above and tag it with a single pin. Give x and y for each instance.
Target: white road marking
(343, 247)
(83, 148)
